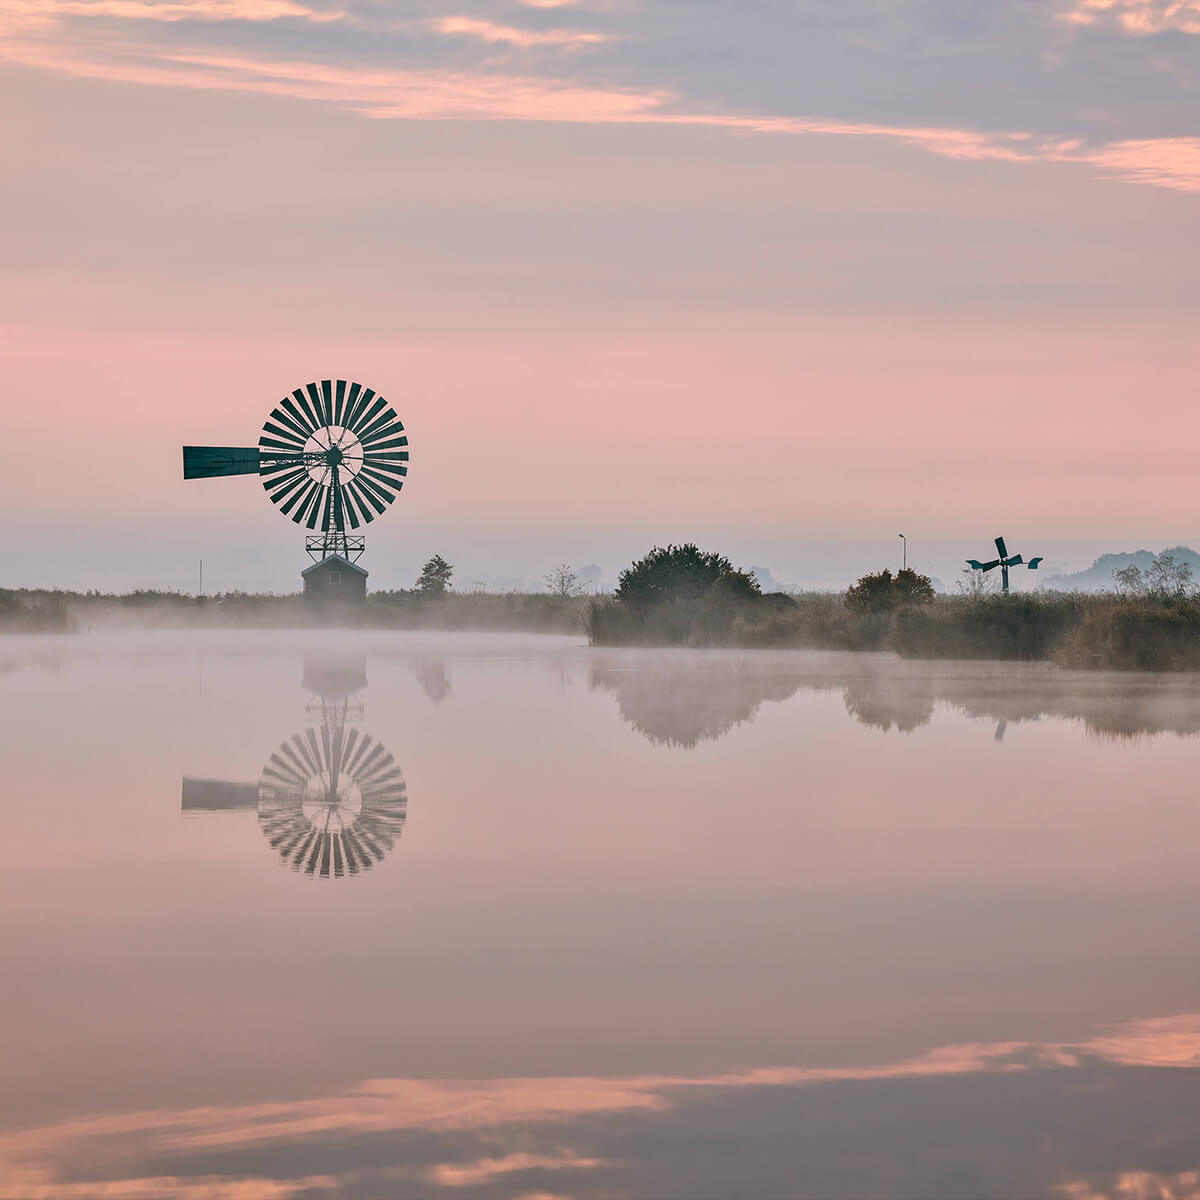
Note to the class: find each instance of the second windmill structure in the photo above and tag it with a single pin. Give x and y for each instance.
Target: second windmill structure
(1003, 562)
(332, 456)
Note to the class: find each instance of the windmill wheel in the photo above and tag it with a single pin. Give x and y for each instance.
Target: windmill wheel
(333, 454)
(331, 801)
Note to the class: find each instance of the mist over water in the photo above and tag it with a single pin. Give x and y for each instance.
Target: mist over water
(499, 916)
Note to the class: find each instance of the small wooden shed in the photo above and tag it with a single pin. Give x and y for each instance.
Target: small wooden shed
(334, 579)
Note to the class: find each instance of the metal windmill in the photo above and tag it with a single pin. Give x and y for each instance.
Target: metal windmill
(332, 456)
(1003, 562)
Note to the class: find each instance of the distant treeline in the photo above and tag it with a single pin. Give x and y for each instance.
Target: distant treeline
(33, 611)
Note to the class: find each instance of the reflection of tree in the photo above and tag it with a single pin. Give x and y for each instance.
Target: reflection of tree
(434, 681)
(681, 698)
(884, 703)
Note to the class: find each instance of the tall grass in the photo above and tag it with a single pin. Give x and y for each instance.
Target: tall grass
(1085, 631)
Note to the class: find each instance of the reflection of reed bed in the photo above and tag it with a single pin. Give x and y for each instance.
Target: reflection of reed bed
(684, 697)
(1073, 630)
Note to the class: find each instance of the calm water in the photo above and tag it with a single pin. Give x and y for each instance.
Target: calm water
(490, 916)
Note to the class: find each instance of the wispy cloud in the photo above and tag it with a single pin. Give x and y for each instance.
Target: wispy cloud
(1137, 17)
(489, 31)
(44, 12)
(481, 93)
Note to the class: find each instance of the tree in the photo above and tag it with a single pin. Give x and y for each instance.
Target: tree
(684, 572)
(975, 585)
(884, 591)
(434, 579)
(911, 588)
(1129, 581)
(1168, 579)
(563, 582)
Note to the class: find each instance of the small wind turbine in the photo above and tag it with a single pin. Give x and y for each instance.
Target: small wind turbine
(1003, 562)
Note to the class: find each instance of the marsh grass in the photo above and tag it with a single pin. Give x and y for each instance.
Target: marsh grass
(1097, 632)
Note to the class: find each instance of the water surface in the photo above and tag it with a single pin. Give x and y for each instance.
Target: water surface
(495, 916)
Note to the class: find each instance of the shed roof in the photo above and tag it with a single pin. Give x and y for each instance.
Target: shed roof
(334, 560)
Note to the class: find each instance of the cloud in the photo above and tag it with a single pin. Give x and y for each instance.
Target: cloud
(43, 12)
(488, 31)
(481, 94)
(1137, 17)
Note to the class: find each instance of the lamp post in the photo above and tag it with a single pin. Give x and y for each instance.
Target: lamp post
(904, 543)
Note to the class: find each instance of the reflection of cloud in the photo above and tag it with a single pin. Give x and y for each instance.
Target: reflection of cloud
(132, 1154)
(1137, 17)
(1136, 1185)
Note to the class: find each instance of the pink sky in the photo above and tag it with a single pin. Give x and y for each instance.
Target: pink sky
(618, 297)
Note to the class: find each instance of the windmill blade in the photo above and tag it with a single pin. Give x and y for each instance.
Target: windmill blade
(380, 482)
(307, 408)
(976, 565)
(298, 414)
(316, 404)
(1034, 563)
(360, 493)
(366, 417)
(390, 476)
(299, 500)
(270, 443)
(317, 508)
(205, 462)
(371, 491)
(386, 423)
(327, 400)
(339, 401)
(1015, 561)
(1001, 549)
(357, 397)
(390, 444)
(287, 421)
(285, 432)
(348, 507)
(286, 487)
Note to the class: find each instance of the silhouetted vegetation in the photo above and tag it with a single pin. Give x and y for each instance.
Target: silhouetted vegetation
(34, 612)
(682, 597)
(434, 579)
(883, 592)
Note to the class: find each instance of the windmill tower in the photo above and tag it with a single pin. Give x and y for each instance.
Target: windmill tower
(332, 456)
(1003, 562)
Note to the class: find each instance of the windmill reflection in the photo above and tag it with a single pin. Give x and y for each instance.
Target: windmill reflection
(331, 800)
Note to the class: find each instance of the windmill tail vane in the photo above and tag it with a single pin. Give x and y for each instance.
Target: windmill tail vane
(1004, 561)
(332, 456)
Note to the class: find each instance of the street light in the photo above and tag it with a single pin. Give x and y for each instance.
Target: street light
(904, 541)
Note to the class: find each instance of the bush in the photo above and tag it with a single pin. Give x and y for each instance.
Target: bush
(883, 592)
